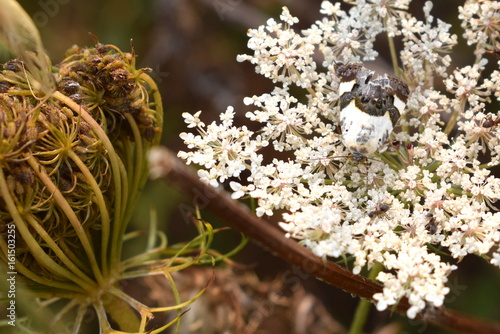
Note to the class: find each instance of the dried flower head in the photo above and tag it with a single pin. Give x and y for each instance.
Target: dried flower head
(72, 162)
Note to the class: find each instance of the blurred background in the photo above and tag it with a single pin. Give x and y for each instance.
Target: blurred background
(191, 46)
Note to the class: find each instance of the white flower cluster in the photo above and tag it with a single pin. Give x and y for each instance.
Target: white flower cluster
(481, 22)
(430, 187)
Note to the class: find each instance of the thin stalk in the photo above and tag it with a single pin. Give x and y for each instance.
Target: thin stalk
(114, 159)
(55, 285)
(118, 222)
(157, 101)
(70, 254)
(163, 328)
(38, 253)
(179, 305)
(363, 309)
(140, 259)
(389, 159)
(70, 305)
(177, 297)
(101, 203)
(70, 214)
(394, 56)
(236, 250)
(80, 315)
(120, 307)
(104, 325)
(156, 267)
(153, 226)
(135, 174)
(56, 249)
(454, 117)
(397, 72)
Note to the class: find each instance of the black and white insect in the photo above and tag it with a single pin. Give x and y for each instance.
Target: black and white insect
(369, 108)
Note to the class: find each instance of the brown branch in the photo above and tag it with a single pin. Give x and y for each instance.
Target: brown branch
(166, 165)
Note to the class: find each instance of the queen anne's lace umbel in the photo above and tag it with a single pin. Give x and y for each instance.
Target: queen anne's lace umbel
(432, 176)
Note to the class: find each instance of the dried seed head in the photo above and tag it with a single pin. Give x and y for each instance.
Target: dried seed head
(4, 86)
(112, 84)
(14, 65)
(47, 143)
(69, 86)
(31, 132)
(11, 130)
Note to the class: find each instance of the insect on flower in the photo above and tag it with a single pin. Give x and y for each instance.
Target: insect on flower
(431, 226)
(369, 108)
(380, 209)
(490, 122)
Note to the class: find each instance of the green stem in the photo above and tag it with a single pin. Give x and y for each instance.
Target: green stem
(121, 312)
(70, 214)
(363, 309)
(157, 267)
(67, 308)
(157, 102)
(71, 255)
(397, 72)
(394, 56)
(101, 203)
(32, 221)
(138, 173)
(57, 288)
(114, 159)
(136, 155)
(140, 260)
(177, 297)
(454, 117)
(118, 222)
(153, 227)
(38, 253)
(389, 159)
